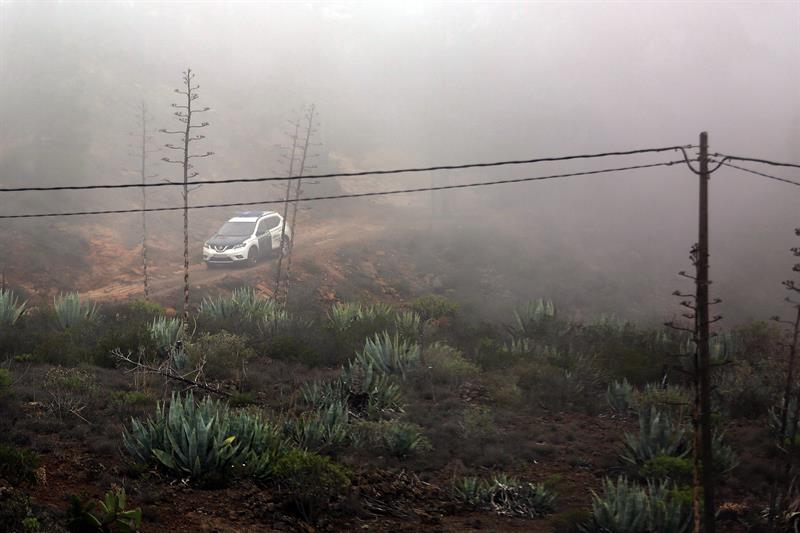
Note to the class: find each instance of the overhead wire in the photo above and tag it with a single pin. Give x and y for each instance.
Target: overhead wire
(756, 160)
(341, 174)
(344, 196)
(757, 173)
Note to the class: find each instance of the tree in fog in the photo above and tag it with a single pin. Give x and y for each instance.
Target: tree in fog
(185, 114)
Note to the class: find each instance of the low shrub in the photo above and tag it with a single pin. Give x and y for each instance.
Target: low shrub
(445, 365)
(312, 480)
(222, 355)
(18, 466)
(676, 469)
(5, 381)
(434, 307)
(476, 422)
(16, 514)
(69, 390)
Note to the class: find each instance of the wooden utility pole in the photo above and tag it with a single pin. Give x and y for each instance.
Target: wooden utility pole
(703, 321)
(292, 158)
(184, 114)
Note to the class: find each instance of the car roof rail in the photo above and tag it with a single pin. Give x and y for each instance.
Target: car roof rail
(253, 213)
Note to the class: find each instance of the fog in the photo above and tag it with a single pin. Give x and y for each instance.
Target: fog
(406, 84)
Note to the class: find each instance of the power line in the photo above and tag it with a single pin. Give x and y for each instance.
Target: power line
(757, 173)
(343, 196)
(754, 160)
(343, 174)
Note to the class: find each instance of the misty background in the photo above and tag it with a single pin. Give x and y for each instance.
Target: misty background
(407, 84)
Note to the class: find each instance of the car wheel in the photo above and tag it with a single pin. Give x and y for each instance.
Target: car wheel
(252, 256)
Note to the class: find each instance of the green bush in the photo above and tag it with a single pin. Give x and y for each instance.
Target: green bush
(311, 479)
(16, 515)
(5, 381)
(445, 365)
(69, 390)
(671, 399)
(18, 465)
(408, 325)
(222, 355)
(434, 307)
(677, 469)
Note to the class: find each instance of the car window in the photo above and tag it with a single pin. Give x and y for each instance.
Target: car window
(272, 222)
(236, 229)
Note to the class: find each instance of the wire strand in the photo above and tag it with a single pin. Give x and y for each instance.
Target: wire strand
(343, 196)
(755, 160)
(757, 173)
(340, 174)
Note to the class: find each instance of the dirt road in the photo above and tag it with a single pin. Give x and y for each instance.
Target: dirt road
(317, 243)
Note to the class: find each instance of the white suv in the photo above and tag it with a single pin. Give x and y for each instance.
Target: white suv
(245, 238)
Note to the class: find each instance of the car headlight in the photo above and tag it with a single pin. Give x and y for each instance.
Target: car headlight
(238, 246)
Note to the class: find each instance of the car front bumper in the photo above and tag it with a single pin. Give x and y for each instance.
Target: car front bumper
(235, 255)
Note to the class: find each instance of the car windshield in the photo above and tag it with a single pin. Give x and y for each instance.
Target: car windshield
(236, 229)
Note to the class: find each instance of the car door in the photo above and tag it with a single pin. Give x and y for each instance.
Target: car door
(274, 225)
(263, 236)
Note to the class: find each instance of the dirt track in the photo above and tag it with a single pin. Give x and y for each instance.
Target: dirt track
(318, 242)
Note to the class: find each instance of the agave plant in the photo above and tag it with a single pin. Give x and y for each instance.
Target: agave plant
(191, 439)
(389, 355)
(165, 332)
(342, 315)
(324, 428)
(506, 496)
(620, 396)
(401, 439)
(10, 308)
(107, 514)
(625, 507)
(657, 436)
(71, 311)
(537, 319)
(512, 497)
(470, 491)
(244, 303)
(408, 325)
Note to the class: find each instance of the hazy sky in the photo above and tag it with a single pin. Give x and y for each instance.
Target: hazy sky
(409, 83)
